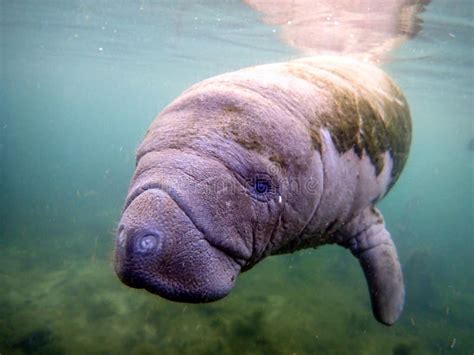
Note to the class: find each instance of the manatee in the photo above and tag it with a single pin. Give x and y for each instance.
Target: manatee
(262, 161)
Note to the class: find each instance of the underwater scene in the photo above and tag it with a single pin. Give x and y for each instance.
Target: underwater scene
(81, 82)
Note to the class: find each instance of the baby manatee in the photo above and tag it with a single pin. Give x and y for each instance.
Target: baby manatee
(262, 161)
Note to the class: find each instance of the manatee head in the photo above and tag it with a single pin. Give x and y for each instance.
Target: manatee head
(174, 238)
(211, 195)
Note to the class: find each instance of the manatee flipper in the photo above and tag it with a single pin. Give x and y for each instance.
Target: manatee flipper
(371, 243)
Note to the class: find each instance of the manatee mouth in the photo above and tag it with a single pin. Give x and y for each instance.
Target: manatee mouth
(161, 248)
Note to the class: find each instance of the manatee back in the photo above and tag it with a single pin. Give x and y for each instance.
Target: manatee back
(369, 112)
(360, 105)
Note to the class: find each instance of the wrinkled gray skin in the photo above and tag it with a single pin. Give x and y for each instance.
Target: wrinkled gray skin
(240, 167)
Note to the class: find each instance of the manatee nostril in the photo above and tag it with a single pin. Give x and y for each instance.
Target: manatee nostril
(121, 239)
(147, 243)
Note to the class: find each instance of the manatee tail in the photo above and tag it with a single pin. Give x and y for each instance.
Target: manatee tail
(371, 243)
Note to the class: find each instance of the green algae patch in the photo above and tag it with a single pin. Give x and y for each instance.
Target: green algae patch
(358, 116)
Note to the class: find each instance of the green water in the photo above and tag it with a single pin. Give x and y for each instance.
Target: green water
(80, 83)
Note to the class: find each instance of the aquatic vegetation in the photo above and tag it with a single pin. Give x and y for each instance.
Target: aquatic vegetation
(406, 349)
(82, 307)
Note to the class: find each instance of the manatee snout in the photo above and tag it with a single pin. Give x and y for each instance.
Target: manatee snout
(158, 248)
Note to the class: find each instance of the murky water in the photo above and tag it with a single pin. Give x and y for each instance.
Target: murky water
(81, 81)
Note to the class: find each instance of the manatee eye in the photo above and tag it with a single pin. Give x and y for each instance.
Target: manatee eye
(262, 186)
